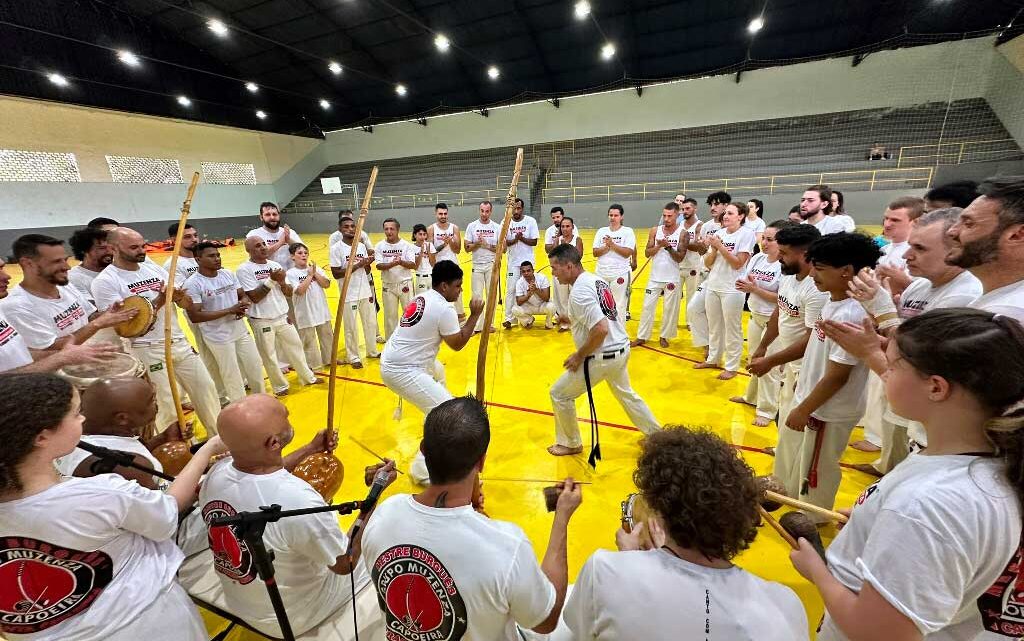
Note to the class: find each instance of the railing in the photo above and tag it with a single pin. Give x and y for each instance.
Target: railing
(956, 153)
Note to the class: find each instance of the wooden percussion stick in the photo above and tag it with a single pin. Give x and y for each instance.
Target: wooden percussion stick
(492, 293)
(170, 310)
(372, 453)
(786, 536)
(339, 325)
(498, 479)
(806, 507)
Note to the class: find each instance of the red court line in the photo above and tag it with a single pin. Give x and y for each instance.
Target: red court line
(682, 358)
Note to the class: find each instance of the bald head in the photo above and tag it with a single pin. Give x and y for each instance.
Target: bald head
(118, 406)
(255, 429)
(256, 248)
(129, 246)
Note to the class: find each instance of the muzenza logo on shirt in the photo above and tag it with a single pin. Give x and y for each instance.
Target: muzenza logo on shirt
(418, 596)
(42, 584)
(607, 301)
(231, 556)
(413, 312)
(1002, 605)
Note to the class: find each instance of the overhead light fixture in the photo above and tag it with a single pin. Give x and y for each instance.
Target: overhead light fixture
(324, 104)
(57, 79)
(184, 101)
(582, 9)
(128, 58)
(334, 68)
(493, 72)
(217, 27)
(442, 42)
(755, 25)
(608, 51)
(262, 115)
(401, 90)
(252, 87)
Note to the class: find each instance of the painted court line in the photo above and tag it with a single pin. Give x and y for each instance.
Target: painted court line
(680, 357)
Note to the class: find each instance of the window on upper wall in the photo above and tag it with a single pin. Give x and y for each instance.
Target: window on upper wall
(229, 173)
(130, 169)
(38, 166)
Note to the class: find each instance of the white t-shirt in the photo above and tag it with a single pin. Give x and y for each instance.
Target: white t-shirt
(552, 232)
(691, 260)
(540, 280)
(521, 252)
(892, 255)
(590, 300)
(664, 268)
(1008, 300)
(359, 283)
(723, 276)
(756, 225)
(417, 339)
(829, 225)
(611, 264)
(41, 321)
(441, 236)
(114, 284)
(938, 539)
(186, 267)
(386, 253)
(250, 276)
(766, 275)
(13, 351)
(653, 595)
(83, 558)
(311, 308)
(849, 224)
(67, 465)
(81, 279)
(215, 294)
(849, 402)
(453, 572)
(800, 304)
(423, 266)
(336, 237)
(282, 256)
(477, 232)
(710, 227)
(304, 547)
(920, 296)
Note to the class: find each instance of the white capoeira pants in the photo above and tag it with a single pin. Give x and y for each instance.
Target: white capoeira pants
(277, 340)
(872, 420)
(560, 297)
(481, 283)
(317, 342)
(762, 391)
(191, 375)
(669, 310)
(610, 367)
(794, 455)
(423, 388)
(689, 279)
(512, 277)
(725, 328)
(367, 317)
(207, 355)
(239, 364)
(789, 374)
(424, 282)
(620, 284)
(697, 318)
(396, 297)
(525, 313)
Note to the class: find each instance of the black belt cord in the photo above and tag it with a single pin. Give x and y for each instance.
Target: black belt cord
(595, 432)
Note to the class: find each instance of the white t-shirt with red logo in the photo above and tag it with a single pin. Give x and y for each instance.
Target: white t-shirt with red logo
(441, 237)
(590, 301)
(920, 296)
(766, 275)
(250, 276)
(83, 558)
(42, 321)
(215, 294)
(691, 260)
(540, 281)
(417, 339)
(359, 283)
(452, 573)
(304, 547)
(385, 253)
(611, 264)
(521, 252)
(114, 284)
(81, 279)
(800, 303)
(282, 256)
(939, 539)
(311, 308)
(13, 351)
(722, 278)
(478, 232)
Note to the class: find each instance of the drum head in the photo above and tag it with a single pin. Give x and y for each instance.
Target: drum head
(143, 321)
(634, 512)
(118, 365)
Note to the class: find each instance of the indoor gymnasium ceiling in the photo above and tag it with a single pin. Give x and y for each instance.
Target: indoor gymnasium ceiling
(188, 67)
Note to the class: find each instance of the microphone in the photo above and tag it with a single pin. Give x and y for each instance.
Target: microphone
(380, 481)
(108, 459)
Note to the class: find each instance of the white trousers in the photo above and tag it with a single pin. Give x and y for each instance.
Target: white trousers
(512, 277)
(872, 420)
(367, 317)
(794, 455)
(689, 278)
(525, 313)
(620, 292)
(207, 355)
(481, 283)
(277, 340)
(895, 445)
(425, 282)
(191, 375)
(423, 388)
(240, 359)
(697, 317)
(725, 328)
(317, 342)
(396, 298)
(560, 297)
(762, 391)
(572, 385)
(669, 310)
(789, 374)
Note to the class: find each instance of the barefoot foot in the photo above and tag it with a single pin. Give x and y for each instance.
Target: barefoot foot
(561, 450)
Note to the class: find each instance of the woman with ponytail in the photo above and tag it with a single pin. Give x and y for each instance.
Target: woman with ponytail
(932, 549)
(84, 559)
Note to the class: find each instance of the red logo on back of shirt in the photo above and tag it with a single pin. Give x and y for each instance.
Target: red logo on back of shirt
(231, 556)
(42, 585)
(413, 312)
(1002, 605)
(607, 301)
(418, 596)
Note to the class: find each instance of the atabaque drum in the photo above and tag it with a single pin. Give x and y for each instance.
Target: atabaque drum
(142, 322)
(117, 365)
(634, 512)
(323, 471)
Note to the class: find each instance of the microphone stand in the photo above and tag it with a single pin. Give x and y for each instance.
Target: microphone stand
(249, 526)
(108, 459)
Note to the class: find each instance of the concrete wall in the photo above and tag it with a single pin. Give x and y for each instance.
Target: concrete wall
(1005, 91)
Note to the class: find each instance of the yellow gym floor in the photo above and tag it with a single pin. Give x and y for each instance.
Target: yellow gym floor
(521, 366)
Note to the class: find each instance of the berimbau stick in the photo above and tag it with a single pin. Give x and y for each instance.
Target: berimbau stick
(786, 536)
(806, 507)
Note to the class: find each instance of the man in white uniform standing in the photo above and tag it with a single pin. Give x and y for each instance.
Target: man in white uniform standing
(395, 258)
(559, 291)
(691, 265)
(666, 252)
(602, 354)
(90, 246)
(815, 205)
(520, 240)
(482, 242)
(276, 236)
(447, 239)
(364, 239)
(533, 298)
(359, 297)
(615, 250)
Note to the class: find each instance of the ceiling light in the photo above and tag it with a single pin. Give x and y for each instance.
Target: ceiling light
(335, 68)
(493, 72)
(57, 79)
(128, 58)
(401, 90)
(582, 9)
(252, 87)
(184, 101)
(442, 42)
(217, 27)
(755, 25)
(262, 115)
(608, 51)
(324, 104)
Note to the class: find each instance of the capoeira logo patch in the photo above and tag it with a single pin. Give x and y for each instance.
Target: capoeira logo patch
(231, 556)
(1002, 605)
(607, 301)
(418, 596)
(42, 584)
(413, 312)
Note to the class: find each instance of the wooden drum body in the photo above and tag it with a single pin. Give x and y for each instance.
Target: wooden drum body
(143, 321)
(634, 512)
(119, 365)
(323, 471)
(173, 456)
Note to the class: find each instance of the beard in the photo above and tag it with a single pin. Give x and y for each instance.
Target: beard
(58, 278)
(787, 269)
(272, 225)
(977, 252)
